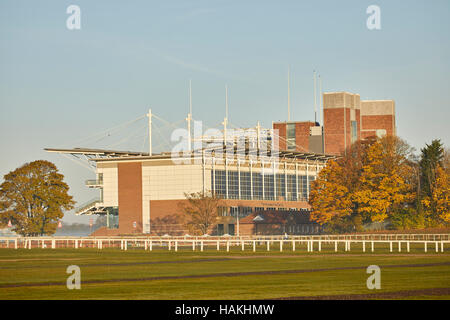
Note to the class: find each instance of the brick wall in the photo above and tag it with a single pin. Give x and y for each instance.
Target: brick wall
(302, 131)
(130, 197)
(375, 122)
(334, 130)
(281, 127)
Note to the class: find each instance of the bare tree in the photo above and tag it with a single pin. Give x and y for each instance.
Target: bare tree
(201, 210)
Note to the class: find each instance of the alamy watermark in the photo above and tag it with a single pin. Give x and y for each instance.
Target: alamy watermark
(374, 281)
(374, 20)
(228, 145)
(73, 22)
(74, 280)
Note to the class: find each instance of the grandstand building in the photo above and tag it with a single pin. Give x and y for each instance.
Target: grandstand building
(269, 170)
(142, 193)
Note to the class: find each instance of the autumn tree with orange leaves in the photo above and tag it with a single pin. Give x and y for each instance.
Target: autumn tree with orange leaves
(371, 182)
(439, 200)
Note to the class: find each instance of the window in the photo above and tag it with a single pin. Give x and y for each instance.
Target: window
(113, 218)
(302, 189)
(291, 188)
(220, 229)
(354, 133)
(233, 185)
(290, 136)
(257, 186)
(281, 186)
(231, 229)
(219, 183)
(244, 211)
(269, 191)
(245, 186)
(234, 211)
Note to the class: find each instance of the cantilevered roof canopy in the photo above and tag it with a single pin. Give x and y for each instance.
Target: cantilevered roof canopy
(97, 153)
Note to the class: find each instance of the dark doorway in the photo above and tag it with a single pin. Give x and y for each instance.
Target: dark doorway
(231, 229)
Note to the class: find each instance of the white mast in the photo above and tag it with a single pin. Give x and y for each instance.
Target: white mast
(225, 120)
(315, 98)
(149, 115)
(289, 96)
(189, 117)
(258, 133)
(320, 100)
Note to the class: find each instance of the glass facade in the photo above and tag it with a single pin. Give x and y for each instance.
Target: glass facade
(290, 136)
(280, 187)
(233, 185)
(112, 218)
(354, 128)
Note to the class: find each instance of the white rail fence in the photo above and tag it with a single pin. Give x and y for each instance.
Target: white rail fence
(437, 243)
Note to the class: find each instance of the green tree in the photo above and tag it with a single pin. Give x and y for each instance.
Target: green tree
(432, 156)
(33, 197)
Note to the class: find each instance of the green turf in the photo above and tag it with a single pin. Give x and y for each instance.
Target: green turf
(24, 266)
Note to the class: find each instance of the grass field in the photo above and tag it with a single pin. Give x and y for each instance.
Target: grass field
(162, 274)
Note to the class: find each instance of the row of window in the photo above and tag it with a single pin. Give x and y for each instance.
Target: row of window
(264, 187)
(242, 212)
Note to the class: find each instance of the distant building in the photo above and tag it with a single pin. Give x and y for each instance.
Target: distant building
(346, 119)
(278, 223)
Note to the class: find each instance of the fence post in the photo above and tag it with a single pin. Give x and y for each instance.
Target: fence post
(151, 245)
(268, 245)
(201, 245)
(442, 246)
(15, 243)
(437, 247)
(53, 244)
(399, 246)
(349, 245)
(390, 246)
(126, 245)
(218, 245)
(364, 246)
(242, 245)
(281, 245)
(254, 245)
(407, 246)
(426, 246)
(373, 246)
(169, 245)
(228, 246)
(193, 245)
(145, 245)
(293, 245)
(335, 246)
(320, 245)
(176, 245)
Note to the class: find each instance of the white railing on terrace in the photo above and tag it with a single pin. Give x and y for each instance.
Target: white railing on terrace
(311, 243)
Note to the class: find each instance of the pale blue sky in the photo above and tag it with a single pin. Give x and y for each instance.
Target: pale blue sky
(58, 86)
